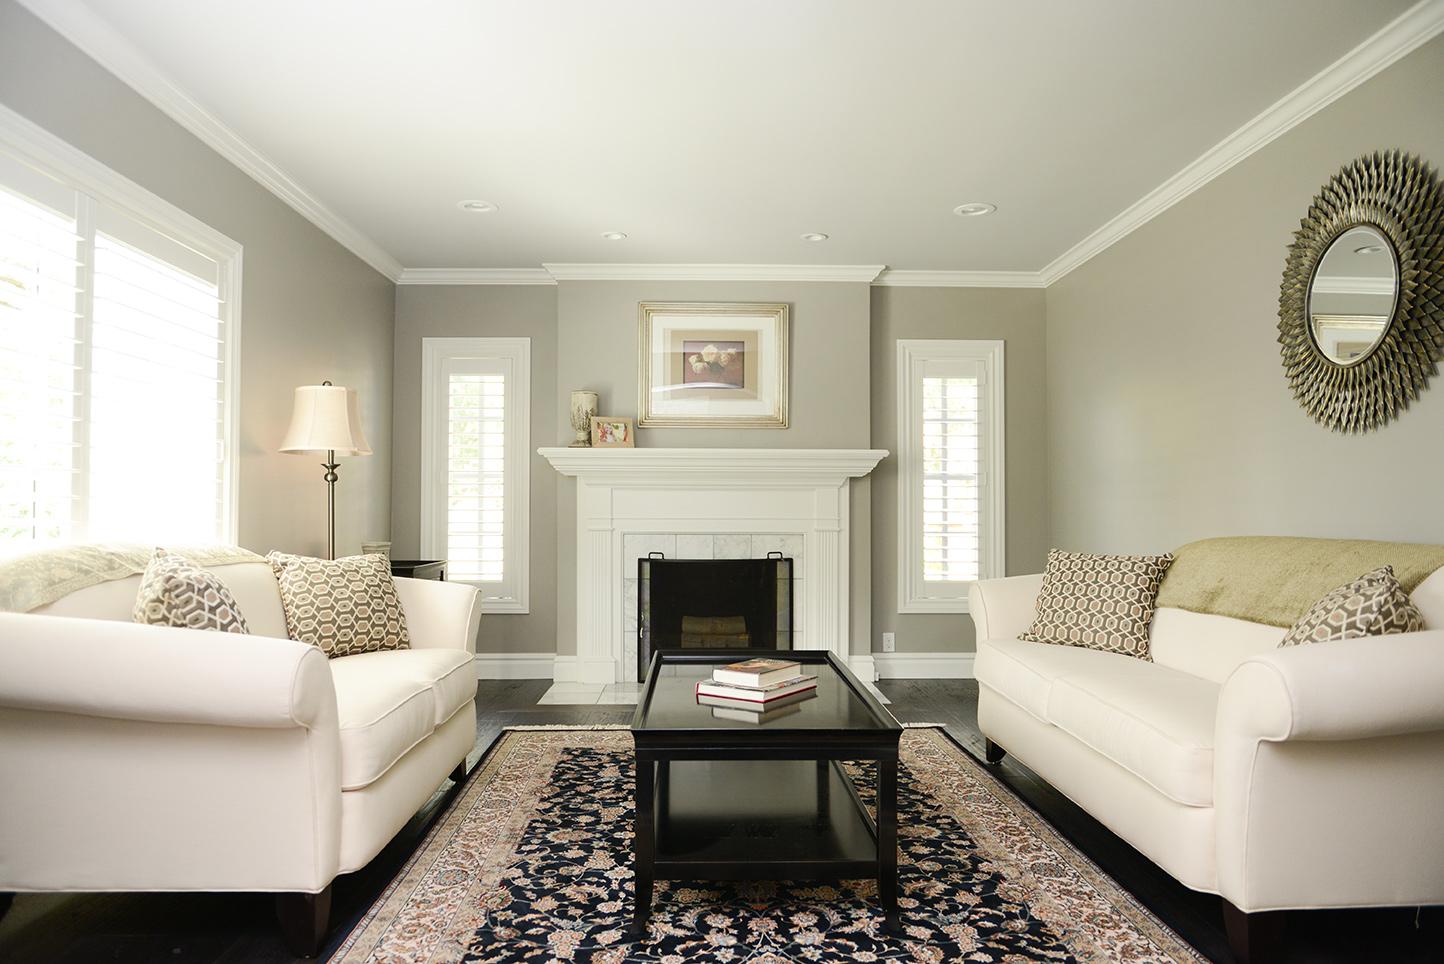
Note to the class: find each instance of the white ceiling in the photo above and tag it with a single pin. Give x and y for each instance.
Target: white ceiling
(720, 130)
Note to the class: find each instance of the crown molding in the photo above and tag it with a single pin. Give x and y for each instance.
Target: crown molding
(864, 273)
(85, 29)
(892, 278)
(1406, 33)
(475, 276)
(1344, 285)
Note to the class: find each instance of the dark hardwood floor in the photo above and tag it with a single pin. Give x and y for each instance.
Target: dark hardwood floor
(185, 928)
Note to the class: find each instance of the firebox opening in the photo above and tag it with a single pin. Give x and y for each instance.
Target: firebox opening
(695, 604)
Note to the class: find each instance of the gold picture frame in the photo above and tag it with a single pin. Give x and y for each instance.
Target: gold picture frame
(613, 432)
(712, 365)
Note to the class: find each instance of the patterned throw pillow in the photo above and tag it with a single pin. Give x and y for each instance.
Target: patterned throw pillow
(1372, 605)
(176, 592)
(342, 606)
(1098, 602)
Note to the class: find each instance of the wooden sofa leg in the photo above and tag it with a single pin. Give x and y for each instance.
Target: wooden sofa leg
(1254, 938)
(459, 774)
(993, 753)
(304, 919)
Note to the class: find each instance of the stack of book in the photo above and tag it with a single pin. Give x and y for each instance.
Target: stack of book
(757, 690)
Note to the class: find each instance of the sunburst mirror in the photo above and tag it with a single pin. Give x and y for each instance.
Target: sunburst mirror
(1361, 306)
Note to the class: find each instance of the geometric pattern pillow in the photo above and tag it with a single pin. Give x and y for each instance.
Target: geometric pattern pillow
(1372, 605)
(1098, 602)
(341, 606)
(176, 592)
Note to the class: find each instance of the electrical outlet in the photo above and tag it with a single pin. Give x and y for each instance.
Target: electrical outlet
(889, 642)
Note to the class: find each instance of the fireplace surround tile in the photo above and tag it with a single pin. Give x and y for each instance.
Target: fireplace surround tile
(732, 546)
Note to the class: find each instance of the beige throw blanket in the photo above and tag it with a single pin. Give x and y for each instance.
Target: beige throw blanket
(1275, 579)
(39, 578)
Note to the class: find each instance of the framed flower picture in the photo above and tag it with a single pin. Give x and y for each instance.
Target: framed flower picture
(713, 365)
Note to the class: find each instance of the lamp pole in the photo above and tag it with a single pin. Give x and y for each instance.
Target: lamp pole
(330, 465)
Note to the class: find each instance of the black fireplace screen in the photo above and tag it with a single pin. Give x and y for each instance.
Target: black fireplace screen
(692, 604)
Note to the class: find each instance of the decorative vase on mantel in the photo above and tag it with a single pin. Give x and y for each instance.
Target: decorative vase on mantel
(584, 406)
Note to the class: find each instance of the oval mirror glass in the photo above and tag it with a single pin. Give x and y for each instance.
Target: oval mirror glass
(1352, 295)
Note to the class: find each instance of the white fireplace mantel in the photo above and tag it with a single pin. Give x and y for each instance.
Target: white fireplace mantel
(796, 494)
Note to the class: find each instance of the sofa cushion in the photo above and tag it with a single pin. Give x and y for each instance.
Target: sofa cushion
(1372, 605)
(176, 592)
(450, 674)
(1206, 645)
(1155, 722)
(343, 606)
(382, 714)
(1024, 671)
(1098, 602)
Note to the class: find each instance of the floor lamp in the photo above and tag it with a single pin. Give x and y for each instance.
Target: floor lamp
(326, 418)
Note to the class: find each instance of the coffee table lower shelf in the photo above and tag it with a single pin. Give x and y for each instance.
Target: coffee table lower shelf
(757, 820)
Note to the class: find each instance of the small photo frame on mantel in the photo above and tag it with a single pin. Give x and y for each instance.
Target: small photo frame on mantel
(613, 432)
(712, 365)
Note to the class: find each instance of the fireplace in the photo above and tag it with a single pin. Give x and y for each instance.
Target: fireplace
(684, 605)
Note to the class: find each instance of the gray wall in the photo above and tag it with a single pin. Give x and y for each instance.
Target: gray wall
(1016, 316)
(1169, 418)
(512, 311)
(311, 310)
(828, 401)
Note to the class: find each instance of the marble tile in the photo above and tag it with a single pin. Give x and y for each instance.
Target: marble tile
(636, 545)
(628, 668)
(620, 694)
(571, 694)
(629, 605)
(691, 546)
(789, 545)
(732, 547)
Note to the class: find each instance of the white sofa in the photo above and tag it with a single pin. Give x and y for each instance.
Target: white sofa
(1303, 777)
(148, 758)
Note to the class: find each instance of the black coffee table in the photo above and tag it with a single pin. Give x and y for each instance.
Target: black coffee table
(723, 799)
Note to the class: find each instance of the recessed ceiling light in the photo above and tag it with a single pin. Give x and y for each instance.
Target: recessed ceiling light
(1369, 249)
(477, 207)
(974, 209)
(814, 236)
(614, 236)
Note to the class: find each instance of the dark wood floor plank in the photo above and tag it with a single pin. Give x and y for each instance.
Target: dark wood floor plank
(234, 928)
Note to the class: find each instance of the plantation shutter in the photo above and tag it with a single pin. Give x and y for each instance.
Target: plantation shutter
(157, 420)
(476, 471)
(113, 400)
(39, 405)
(950, 532)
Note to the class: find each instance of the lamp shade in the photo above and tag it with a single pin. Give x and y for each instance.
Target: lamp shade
(325, 418)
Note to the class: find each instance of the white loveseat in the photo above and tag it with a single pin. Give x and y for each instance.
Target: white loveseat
(148, 758)
(1303, 777)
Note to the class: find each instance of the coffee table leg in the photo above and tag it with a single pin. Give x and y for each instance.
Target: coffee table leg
(824, 784)
(887, 840)
(644, 845)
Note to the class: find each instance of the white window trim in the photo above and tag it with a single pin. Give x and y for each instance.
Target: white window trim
(913, 594)
(516, 352)
(32, 144)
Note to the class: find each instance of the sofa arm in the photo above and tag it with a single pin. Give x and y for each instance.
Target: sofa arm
(1004, 608)
(1326, 760)
(1352, 689)
(440, 615)
(119, 670)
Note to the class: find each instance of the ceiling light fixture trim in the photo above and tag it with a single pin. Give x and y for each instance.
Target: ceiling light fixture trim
(478, 207)
(814, 236)
(974, 209)
(614, 236)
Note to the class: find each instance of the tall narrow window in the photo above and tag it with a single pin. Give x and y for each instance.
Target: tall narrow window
(475, 471)
(950, 471)
(116, 356)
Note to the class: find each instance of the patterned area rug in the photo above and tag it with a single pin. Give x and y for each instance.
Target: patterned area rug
(532, 863)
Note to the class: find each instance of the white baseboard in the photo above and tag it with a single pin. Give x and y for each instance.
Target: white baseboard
(514, 665)
(576, 669)
(923, 665)
(863, 666)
